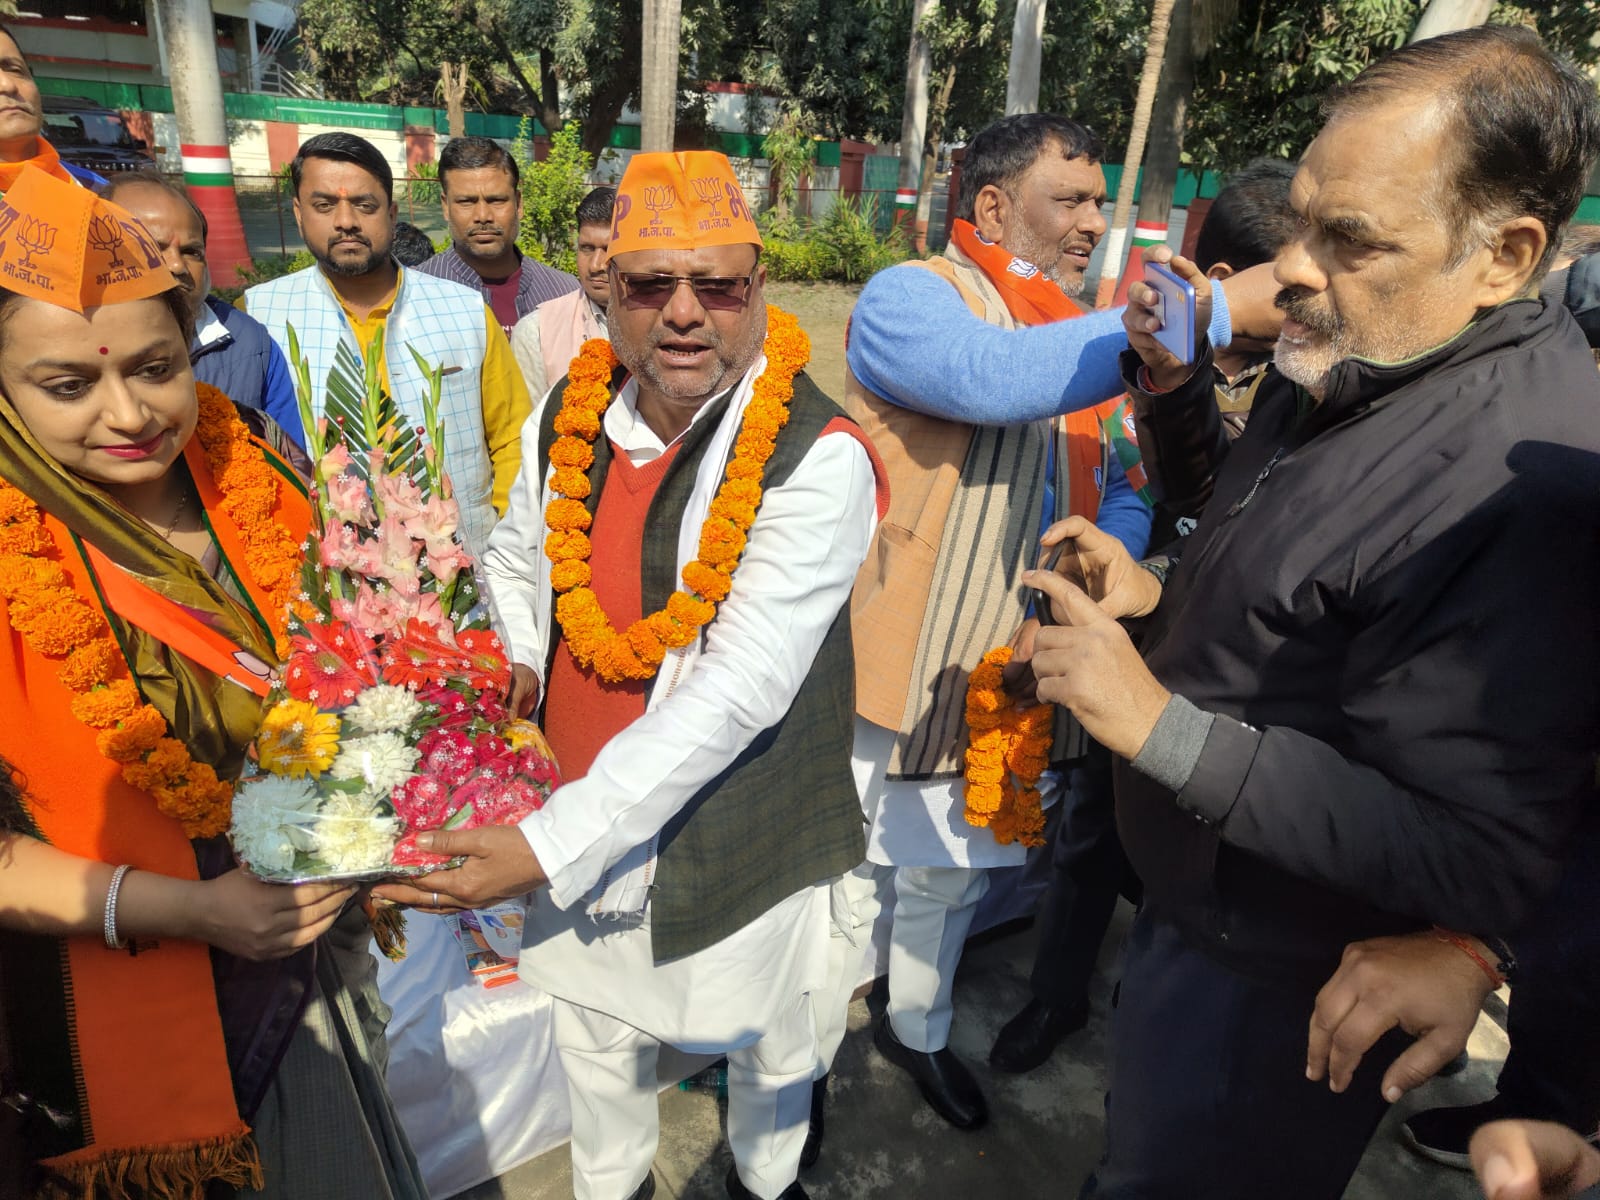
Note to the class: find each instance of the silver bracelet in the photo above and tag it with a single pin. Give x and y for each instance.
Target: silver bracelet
(112, 941)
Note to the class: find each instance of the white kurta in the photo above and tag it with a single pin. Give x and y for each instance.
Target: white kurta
(809, 538)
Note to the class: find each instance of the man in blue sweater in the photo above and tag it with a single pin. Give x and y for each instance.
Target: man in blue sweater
(959, 368)
(232, 351)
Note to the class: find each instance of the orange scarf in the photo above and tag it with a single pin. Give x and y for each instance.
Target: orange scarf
(1034, 300)
(140, 1040)
(47, 160)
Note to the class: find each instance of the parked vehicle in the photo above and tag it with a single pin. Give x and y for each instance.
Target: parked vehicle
(92, 136)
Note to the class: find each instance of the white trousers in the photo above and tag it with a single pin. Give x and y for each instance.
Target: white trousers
(855, 906)
(616, 1122)
(933, 909)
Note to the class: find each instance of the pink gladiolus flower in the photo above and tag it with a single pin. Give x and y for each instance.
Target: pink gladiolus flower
(401, 499)
(436, 524)
(342, 549)
(379, 613)
(446, 566)
(336, 460)
(347, 497)
(397, 557)
(430, 611)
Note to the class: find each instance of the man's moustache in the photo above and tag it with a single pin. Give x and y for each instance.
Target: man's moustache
(1297, 306)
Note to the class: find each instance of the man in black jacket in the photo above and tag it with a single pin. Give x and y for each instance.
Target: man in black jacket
(1372, 679)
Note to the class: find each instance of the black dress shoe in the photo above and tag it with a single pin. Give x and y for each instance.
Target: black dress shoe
(813, 1147)
(646, 1189)
(738, 1191)
(943, 1079)
(1030, 1037)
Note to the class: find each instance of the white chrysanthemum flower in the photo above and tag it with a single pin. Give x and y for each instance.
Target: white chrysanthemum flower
(382, 761)
(271, 819)
(352, 834)
(384, 709)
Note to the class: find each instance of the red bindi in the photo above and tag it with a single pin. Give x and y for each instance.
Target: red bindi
(104, 350)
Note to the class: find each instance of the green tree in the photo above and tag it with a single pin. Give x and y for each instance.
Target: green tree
(550, 193)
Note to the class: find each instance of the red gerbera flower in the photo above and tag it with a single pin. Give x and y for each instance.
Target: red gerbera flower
(487, 658)
(331, 664)
(420, 658)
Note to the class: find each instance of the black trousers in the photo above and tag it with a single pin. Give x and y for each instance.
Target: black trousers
(1209, 1097)
(1553, 1070)
(1088, 871)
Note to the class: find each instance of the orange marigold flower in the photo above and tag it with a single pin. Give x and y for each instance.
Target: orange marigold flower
(707, 581)
(644, 643)
(58, 625)
(744, 491)
(570, 482)
(90, 664)
(23, 539)
(570, 452)
(578, 422)
(566, 547)
(685, 608)
(740, 514)
(566, 515)
(564, 576)
(139, 732)
(104, 707)
(721, 542)
(170, 757)
(16, 505)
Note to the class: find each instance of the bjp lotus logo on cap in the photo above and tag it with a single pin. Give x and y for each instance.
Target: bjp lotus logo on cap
(709, 189)
(659, 199)
(35, 236)
(105, 235)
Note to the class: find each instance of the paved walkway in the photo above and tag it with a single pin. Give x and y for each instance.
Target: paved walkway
(1042, 1141)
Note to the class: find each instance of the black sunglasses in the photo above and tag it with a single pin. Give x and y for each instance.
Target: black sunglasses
(721, 292)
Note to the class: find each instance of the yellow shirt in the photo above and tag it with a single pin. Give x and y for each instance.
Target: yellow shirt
(505, 396)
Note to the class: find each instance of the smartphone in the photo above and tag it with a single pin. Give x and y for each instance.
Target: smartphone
(1041, 599)
(1176, 310)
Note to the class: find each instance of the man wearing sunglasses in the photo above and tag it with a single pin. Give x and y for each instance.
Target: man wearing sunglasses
(686, 863)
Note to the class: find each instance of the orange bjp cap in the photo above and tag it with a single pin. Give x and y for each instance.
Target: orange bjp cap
(680, 201)
(62, 244)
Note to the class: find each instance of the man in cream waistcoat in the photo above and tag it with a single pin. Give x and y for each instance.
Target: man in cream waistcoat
(344, 206)
(684, 870)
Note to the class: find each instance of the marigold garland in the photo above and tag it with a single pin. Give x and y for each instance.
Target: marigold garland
(1007, 750)
(56, 622)
(637, 652)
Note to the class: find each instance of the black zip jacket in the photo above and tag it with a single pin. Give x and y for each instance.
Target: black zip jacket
(1389, 608)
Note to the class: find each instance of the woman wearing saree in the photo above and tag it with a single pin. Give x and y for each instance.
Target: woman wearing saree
(176, 1027)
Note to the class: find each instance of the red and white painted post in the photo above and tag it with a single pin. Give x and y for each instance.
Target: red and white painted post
(203, 131)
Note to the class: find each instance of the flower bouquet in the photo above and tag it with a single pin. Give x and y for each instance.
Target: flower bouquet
(387, 719)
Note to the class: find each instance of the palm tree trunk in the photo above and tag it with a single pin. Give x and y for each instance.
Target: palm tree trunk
(453, 83)
(1116, 239)
(1167, 120)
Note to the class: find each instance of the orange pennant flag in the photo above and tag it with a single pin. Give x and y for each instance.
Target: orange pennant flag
(62, 244)
(680, 201)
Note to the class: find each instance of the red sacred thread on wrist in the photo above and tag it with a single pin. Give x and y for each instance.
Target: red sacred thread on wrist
(1471, 951)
